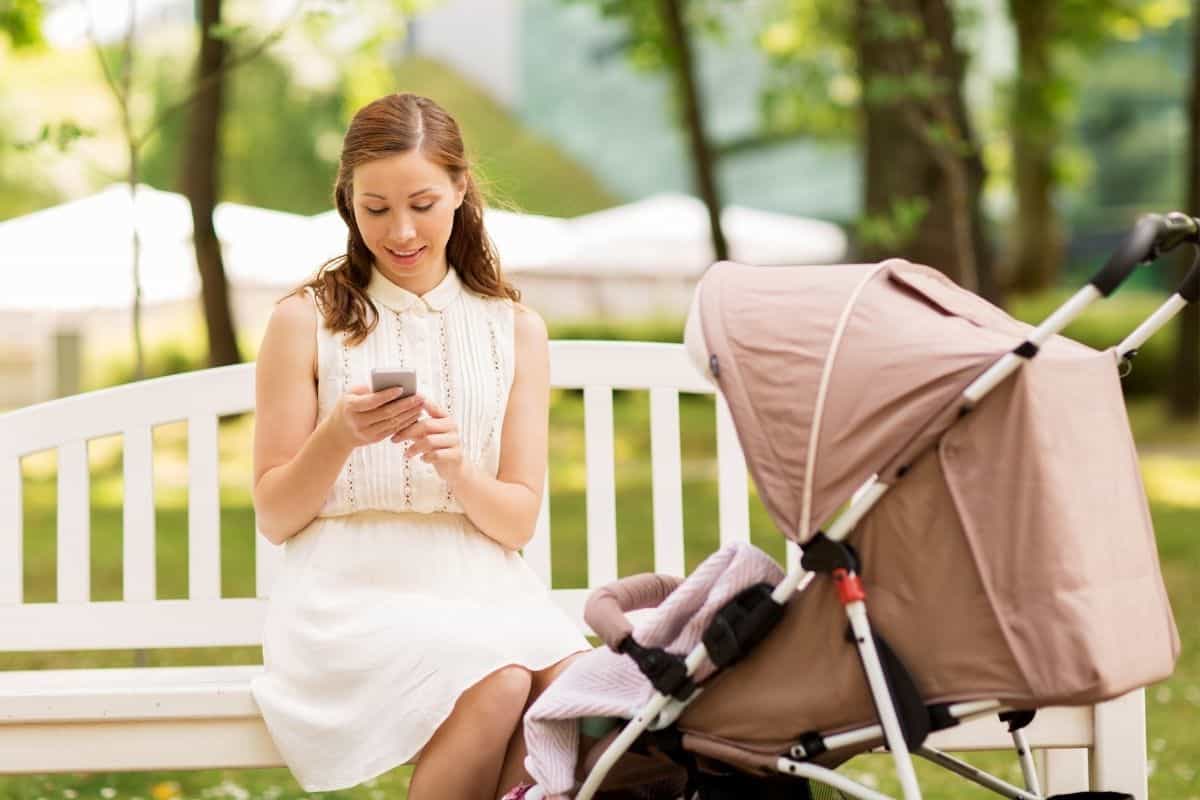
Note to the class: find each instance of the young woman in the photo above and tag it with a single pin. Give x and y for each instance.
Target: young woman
(404, 625)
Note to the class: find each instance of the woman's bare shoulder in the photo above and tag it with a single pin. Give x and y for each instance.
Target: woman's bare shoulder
(529, 329)
(291, 330)
(296, 310)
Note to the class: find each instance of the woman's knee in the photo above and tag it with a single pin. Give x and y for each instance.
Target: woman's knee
(503, 690)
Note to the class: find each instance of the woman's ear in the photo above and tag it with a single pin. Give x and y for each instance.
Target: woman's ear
(460, 188)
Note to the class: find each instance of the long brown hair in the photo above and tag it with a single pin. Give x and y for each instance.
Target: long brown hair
(390, 125)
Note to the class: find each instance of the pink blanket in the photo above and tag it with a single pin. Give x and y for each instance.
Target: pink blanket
(605, 684)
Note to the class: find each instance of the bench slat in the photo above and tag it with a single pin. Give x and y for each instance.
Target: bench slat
(537, 551)
(628, 365)
(12, 531)
(236, 741)
(137, 693)
(666, 481)
(118, 625)
(171, 744)
(734, 489)
(204, 509)
(74, 523)
(138, 547)
(222, 390)
(601, 486)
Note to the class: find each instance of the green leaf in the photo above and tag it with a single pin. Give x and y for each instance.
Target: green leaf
(21, 22)
(62, 136)
(895, 229)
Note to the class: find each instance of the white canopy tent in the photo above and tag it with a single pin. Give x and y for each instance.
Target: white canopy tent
(669, 235)
(67, 270)
(263, 248)
(78, 256)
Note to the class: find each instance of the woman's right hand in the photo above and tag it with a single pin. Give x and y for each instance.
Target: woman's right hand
(363, 417)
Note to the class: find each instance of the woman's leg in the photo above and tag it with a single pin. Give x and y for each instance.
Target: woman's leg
(464, 757)
(513, 771)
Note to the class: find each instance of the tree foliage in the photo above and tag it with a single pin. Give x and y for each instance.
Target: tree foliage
(1054, 43)
(812, 87)
(923, 167)
(21, 22)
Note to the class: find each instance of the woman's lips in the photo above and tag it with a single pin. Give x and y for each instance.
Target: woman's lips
(405, 259)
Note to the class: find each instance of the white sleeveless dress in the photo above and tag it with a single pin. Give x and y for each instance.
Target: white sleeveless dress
(391, 602)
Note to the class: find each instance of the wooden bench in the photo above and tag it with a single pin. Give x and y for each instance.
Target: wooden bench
(157, 718)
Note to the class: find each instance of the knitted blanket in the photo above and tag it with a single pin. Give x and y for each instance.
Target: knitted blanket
(605, 684)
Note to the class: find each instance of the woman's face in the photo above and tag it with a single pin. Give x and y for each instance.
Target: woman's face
(404, 206)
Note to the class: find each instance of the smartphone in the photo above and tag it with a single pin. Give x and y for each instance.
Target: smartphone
(387, 377)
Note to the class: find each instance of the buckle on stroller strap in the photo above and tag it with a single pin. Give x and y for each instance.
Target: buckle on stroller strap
(666, 672)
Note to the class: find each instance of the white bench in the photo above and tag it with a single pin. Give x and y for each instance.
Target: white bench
(204, 717)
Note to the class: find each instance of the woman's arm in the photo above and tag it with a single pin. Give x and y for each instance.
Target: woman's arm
(295, 460)
(504, 508)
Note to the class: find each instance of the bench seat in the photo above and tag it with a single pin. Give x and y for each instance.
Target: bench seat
(133, 718)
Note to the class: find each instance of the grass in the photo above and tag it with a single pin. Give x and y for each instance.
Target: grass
(1171, 466)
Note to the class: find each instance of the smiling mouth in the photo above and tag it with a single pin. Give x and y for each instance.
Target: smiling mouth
(405, 254)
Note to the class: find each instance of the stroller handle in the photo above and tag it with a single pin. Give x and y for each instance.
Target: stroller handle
(1190, 288)
(1152, 236)
(605, 609)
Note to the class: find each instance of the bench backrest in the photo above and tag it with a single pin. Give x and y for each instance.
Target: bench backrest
(205, 618)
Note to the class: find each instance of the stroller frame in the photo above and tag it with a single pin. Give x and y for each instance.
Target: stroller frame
(1152, 236)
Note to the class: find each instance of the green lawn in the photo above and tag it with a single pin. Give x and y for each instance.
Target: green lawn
(1171, 464)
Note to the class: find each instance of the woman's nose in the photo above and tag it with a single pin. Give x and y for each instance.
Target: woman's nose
(403, 228)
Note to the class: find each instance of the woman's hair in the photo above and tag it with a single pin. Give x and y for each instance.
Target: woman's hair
(399, 123)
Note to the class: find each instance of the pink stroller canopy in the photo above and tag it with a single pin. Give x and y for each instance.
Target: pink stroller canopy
(830, 370)
(1025, 533)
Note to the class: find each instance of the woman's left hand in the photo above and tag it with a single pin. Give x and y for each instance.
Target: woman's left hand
(436, 440)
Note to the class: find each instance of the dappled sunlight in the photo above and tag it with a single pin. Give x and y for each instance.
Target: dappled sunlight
(1172, 480)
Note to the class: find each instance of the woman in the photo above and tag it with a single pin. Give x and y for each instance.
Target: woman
(404, 622)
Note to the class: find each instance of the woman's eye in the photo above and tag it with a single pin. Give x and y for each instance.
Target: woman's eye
(376, 211)
(423, 208)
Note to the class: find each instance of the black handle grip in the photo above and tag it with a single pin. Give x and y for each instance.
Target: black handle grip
(1178, 228)
(1152, 235)
(1135, 248)
(1190, 288)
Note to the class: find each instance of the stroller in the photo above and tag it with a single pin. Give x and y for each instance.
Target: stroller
(1008, 553)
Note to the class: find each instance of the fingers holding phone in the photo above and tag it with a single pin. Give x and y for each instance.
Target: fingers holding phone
(435, 440)
(364, 416)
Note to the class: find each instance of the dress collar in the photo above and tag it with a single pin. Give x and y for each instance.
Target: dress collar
(436, 299)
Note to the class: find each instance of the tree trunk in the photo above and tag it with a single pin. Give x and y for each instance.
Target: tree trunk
(1036, 249)
(1184, 391)
(200, 181)
(920, 146)
(693, 114)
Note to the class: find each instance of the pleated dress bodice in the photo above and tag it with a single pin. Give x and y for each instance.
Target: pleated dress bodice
(461, 346)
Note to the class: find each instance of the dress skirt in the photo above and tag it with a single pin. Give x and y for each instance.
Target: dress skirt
(377, 622)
